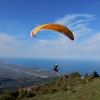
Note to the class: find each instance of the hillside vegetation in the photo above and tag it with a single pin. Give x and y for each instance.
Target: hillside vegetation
(67, 87)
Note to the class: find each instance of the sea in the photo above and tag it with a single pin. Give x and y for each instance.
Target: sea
(65, 65)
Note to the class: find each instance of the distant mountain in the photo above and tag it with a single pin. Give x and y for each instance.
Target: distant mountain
(17, 76)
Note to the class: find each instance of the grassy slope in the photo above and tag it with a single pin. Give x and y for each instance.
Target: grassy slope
(64, 88)
(82, 91)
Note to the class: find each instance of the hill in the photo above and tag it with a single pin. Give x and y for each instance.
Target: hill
(67, 87)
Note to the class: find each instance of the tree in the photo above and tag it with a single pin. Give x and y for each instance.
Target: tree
(86, 75)
(94, 74)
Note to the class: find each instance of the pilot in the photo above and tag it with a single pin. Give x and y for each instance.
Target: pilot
(56, 67)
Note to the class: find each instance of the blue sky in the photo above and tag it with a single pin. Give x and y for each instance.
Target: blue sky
(19, 17)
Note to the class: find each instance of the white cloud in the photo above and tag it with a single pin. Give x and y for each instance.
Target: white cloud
(85, 43)
(10, 46)
(9, 40)
(69, 18)
(93, 39)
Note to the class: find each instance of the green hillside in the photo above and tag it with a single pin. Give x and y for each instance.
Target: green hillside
(67, 87)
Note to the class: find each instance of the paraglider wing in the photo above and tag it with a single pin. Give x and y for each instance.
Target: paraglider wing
(57, 27)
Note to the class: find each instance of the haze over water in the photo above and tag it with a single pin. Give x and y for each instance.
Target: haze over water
(66, 66)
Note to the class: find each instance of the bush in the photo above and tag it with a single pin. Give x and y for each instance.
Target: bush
(94, 74)
(10, 95)
(86, 75)
(74, 74)
(51, 91)
(30, 94)
(22, 93)
(65, 76)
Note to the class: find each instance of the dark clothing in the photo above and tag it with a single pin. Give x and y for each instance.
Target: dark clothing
(56, 68)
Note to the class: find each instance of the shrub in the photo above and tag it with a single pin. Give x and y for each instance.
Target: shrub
(30, 94)
(74, 74)
(22, 93)
(9, 95)
(94, 74)
(86, 75)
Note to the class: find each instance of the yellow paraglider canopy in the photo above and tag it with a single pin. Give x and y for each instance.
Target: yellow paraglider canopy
(57, 27)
